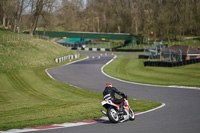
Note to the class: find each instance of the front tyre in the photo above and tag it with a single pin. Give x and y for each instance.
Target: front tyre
(113, 115)
(131, 115)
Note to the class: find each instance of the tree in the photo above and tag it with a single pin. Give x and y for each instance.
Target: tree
(36, 11)
(47, 15)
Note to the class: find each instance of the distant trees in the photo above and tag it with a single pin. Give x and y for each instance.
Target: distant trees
(11, 13)
(163, 19)
(68, 16)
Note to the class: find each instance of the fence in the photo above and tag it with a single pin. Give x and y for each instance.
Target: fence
(149, 56)
(14, 37)
(20, 37)
(99, 45)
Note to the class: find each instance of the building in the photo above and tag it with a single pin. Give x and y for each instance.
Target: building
(177, 53)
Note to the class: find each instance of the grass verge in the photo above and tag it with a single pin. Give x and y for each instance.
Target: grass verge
(129, 67)
(30, 98)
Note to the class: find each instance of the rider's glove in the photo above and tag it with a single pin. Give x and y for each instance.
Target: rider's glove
(123, 95)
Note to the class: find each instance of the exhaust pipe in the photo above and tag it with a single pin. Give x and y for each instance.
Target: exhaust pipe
(104, 112)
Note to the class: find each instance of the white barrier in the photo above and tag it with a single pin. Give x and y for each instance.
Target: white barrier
(94, 49)
(103, 49)
(86, 49)
(61, 59)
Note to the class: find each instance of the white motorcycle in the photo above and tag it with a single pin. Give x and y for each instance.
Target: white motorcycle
(113, 111)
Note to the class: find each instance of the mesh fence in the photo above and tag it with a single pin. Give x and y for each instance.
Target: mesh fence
(172, 56)
(19, 37)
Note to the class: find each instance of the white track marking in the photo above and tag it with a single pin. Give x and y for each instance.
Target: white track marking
(163, 104)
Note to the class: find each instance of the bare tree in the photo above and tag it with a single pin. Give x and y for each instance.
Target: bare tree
(47, 16)
(36, 10)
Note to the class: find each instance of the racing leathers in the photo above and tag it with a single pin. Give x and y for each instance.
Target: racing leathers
(109, 93)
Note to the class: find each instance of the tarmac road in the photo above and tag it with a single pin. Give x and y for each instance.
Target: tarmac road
(181, 114)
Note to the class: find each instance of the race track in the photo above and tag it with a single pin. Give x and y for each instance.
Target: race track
(181, 114)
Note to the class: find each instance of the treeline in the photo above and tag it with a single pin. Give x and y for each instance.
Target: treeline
(20, 15)
(163, 19)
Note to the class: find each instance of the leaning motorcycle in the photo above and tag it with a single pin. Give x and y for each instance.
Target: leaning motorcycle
(113, 111)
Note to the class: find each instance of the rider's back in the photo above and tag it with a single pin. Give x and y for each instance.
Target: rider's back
(109, 90)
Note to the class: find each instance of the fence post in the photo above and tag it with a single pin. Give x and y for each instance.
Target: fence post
(3, 38)
(180, 55)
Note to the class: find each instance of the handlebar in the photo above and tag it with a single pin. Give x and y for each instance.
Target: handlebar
(125, 96)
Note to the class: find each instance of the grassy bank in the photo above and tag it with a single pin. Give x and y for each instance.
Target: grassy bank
(192, 41)
(30, 98)
(27, 52)
(129, 67)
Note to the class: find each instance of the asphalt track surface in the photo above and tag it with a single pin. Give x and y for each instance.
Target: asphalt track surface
(181, 114)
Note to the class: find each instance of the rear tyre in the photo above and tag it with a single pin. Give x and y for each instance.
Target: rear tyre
(113, 115)
(131, 115)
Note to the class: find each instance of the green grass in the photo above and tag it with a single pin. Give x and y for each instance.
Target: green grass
(30, 98)
(195, 42)
(139, 46)
(128, 67)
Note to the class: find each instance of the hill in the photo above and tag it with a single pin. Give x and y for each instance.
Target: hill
(23, 51)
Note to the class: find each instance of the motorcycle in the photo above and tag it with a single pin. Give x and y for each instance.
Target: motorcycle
(113, 111)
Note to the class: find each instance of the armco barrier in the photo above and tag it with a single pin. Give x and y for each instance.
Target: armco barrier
(128, 50)
(147, 57)
(92, 49)
(61, 59)
(170, 64)
(107, 49)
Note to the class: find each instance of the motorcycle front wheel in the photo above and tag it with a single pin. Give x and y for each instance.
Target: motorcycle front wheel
(131, 115)
(113, 115)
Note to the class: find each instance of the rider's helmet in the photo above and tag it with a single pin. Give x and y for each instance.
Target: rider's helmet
(108, 85)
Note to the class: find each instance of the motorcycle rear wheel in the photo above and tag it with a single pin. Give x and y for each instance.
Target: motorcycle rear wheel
(113, 115)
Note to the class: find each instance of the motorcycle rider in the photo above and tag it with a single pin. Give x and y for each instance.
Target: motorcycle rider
(109, 93)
